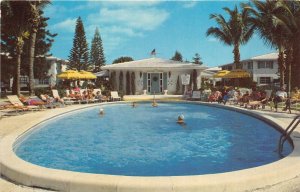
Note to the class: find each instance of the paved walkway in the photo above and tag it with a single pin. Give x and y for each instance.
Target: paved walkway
(292, 185)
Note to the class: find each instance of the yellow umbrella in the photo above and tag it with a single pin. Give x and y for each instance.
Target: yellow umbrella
(237, 73)
(220, 74)
(87, 75)
(69, 74)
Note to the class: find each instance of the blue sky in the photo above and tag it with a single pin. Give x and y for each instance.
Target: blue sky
(134, 29)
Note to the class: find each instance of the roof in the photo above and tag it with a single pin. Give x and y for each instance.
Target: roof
(269, 56)
(214, 69)
(154, 63)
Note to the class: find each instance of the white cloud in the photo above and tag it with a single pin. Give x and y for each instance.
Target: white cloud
(212, 39)
(118, 22)
(189, 4)
(136, 3)
(142, 19)
(54, 11)
(66, 25)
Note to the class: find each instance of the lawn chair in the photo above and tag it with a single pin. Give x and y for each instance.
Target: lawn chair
(59, 99)
(115, 96)
(196, 95)
(15, 101)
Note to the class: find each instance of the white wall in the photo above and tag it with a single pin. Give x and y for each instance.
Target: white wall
(171, 81)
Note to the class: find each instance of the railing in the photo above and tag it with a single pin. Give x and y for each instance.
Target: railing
(286, 134)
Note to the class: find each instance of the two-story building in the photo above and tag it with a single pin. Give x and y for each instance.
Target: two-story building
(263, 68)
(55, 66)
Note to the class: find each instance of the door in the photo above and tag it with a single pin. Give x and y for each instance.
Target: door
(155, 83)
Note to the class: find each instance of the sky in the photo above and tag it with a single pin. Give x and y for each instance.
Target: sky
(135, 28)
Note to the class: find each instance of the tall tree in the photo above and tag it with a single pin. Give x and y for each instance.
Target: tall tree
(15, 29)
(79, 53)
(197, 59)
(122, 59)
(291, 23)
(269, 26)
(35, 18)
(43, 43)
(234, 32)
(177, 56)
(97, 58)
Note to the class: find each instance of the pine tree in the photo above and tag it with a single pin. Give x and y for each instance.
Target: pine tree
(197, 59)
(177, 57)
(97, 58)
(79, 53)
(15, 30)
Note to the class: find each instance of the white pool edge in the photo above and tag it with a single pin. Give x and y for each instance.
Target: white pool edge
(20, 171)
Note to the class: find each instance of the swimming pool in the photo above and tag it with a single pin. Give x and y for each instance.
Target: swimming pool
(147, 141)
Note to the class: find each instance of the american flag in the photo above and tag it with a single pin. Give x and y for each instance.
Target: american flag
(153, 52)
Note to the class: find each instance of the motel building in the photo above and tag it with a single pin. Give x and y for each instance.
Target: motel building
(154, 75)
(263, 68)
(55, 66)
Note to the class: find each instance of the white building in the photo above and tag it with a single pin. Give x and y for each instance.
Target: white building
(263, 68)
(56, 66)
(154, 74)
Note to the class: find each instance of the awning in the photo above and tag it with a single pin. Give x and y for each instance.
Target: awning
(103, 73)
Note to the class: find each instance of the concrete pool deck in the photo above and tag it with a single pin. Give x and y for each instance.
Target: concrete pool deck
(283, 175)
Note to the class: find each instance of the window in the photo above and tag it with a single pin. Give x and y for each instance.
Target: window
(265, 80)
(261, 65)
(250, 65)
(269, 64)
(265, 65)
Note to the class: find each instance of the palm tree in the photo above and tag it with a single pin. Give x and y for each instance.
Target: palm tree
(291, 24)
(35, 7)
(236, 31)
(264, 17)
(15, 25)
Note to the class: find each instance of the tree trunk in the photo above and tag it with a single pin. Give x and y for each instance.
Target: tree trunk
(282, 66)
(31, 62)
(288, 62)
(236, 52)
(295, 68)
(16, 83)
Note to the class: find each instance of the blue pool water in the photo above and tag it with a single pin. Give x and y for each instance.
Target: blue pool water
(147, 141)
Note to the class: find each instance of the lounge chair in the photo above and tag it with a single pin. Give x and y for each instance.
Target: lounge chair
(63, 101)
(95, 91)
(115, 96)
(15, 101)
(196, 95)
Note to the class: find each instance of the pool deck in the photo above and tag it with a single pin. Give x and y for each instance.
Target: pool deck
(283, 175)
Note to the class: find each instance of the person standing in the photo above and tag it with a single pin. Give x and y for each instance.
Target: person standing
(280, 96)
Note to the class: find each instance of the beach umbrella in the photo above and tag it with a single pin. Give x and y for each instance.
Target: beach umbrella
(221, 74)
(69, 74)
(87, 75)
(237, 73)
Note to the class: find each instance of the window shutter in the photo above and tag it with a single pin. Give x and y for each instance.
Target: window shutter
(165, 81)
(145, 81)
